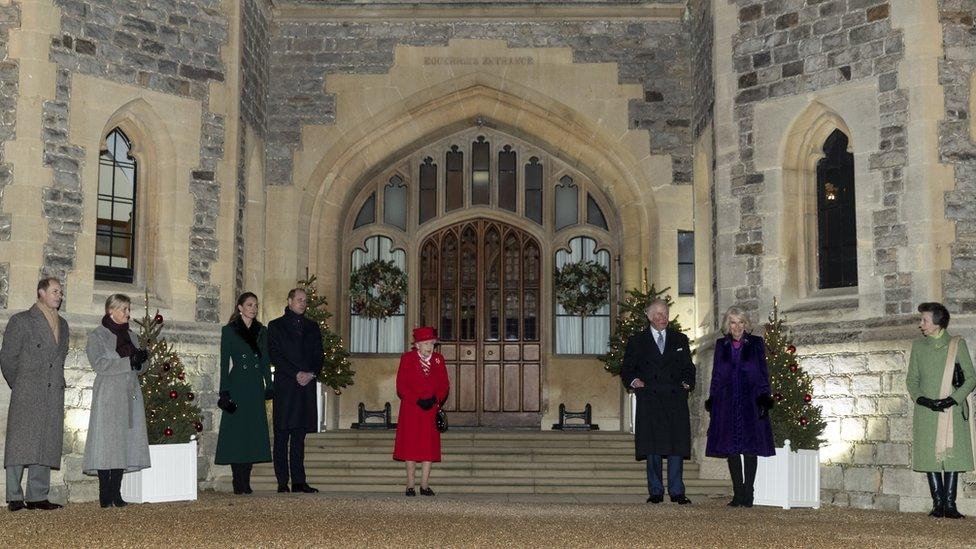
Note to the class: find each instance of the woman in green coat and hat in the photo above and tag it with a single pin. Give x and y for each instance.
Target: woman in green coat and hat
(940, 377)
(245, 383)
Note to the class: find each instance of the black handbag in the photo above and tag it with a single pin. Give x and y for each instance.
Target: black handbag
(958, 377)
(440, 420)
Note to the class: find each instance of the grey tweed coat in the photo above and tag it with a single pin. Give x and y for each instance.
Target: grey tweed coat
(33, 367)
(117, 426)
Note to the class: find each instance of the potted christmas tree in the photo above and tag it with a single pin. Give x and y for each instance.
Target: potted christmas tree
(172, 422)
(791, 478)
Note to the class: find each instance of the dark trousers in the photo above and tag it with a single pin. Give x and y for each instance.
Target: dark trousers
(289, 455)
(655, 484)
(743, 480)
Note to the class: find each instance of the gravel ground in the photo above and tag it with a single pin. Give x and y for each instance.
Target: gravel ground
(269, 520)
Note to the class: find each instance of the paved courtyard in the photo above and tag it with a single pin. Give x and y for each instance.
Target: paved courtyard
(345, 520)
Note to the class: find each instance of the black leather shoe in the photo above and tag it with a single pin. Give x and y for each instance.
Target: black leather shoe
(680, 499)
(282, 488)
(43, 505)
(426, 491)
(15, 505)
(410, 493)
(303, 488)
(655, 499)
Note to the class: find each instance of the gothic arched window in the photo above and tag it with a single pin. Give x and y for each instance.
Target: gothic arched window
(576, 334)
(372, 335)
(836, 227)
(115, 227)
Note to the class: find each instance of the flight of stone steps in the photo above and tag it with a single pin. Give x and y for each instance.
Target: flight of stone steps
(480, 461)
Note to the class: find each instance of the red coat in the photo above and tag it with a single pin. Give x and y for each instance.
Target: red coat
(417, 438)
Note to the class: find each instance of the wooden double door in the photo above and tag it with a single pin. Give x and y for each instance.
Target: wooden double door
(480, 286)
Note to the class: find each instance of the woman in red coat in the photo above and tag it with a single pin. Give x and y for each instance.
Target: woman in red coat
(422, 386)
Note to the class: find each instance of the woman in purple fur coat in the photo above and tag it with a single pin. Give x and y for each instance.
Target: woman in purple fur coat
(739, 403)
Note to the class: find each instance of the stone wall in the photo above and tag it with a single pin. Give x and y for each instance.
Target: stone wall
(702, 42)
(791, 47)
(255, 31)
(197, 345)
(9, 92)
(172, 47)
(303, 53)
(957, 148)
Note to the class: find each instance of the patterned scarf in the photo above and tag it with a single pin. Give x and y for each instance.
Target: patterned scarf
(425, 363)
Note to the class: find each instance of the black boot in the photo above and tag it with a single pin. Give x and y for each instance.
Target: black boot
(751, 464)
(235, 470)
(735, 471)
(117, 488)
(104, 488)
(936, 488)
(950, 484)
(246, 477)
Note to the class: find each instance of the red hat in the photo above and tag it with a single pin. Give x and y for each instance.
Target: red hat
(424, 333)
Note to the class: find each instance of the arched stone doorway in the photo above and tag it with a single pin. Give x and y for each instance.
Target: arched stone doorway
(480, 285)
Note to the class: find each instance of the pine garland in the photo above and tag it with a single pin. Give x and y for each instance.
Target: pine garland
(172, 417)
(631, 319)
(795, 416)
(337, 370)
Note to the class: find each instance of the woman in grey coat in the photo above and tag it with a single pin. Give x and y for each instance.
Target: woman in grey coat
(117, 440)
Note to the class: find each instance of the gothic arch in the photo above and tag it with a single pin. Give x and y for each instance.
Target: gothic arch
(158, 221)
(801, 150)
(450, 107)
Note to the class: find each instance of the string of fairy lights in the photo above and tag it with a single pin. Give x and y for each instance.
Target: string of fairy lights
(337, 372)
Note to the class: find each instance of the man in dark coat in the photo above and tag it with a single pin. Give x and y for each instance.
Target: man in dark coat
(295, 345)
(35, 345)
(658, 367)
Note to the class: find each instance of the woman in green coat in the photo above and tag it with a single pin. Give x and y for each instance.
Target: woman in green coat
(245, 383)
(941, 440)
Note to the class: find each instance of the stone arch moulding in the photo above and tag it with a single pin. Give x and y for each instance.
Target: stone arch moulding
(157, 189)
(802, 149)
(455, 105)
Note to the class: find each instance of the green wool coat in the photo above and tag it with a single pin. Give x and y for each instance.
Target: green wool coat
(243, 436)
(925, 370)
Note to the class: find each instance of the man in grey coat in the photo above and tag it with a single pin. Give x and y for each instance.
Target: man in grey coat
(35, 345)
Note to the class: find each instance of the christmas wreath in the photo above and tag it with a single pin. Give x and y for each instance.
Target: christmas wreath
(377, 289)
(582, 288)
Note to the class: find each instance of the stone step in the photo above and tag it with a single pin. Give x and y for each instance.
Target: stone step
(479, 461)
(569, 468)
(509, 486)
(468, 472)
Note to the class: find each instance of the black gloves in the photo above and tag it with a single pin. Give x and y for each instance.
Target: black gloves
(426, 403)
(138, 358)
(766, 404)
(936, 405)
(269, 393)
(225, 403)
(708, 405)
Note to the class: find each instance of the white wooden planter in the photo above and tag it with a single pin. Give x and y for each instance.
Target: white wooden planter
(789, 479)
(172, 477)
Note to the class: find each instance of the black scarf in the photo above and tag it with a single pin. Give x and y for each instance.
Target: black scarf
(249, 335)
(295, 320)
(123, 343)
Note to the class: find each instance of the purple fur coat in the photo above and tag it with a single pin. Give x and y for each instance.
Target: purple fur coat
(739, 377)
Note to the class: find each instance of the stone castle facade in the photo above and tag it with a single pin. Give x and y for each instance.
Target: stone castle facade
(260, 127)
